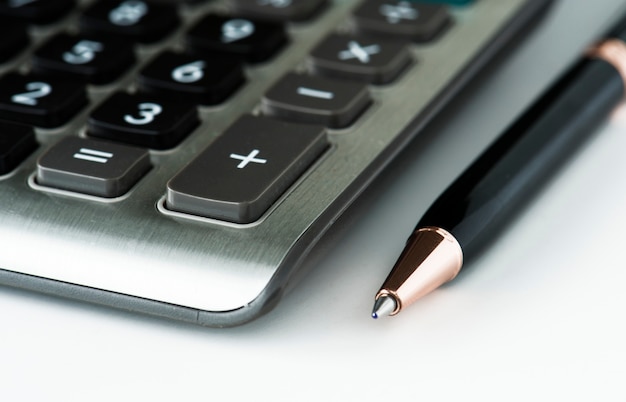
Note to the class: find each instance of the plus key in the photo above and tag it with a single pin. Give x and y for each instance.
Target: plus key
(246, 170)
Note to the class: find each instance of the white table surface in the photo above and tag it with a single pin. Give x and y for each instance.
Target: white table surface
(538, 317)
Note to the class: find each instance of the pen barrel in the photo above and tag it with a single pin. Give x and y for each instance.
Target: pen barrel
(506, 175)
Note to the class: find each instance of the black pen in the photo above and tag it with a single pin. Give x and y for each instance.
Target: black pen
(467, 216)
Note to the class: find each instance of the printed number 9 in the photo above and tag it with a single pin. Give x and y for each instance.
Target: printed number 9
(128, 13)
(147, 112)
(188, 73)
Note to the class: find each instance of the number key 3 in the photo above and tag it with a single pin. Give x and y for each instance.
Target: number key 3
(145, 120)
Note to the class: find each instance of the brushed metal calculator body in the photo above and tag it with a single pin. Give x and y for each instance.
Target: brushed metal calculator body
(135, 252)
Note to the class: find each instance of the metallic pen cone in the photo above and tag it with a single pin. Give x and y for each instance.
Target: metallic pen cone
(431, 258)
(384, 306)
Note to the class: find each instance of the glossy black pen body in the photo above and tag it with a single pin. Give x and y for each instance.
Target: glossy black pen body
(467, 216)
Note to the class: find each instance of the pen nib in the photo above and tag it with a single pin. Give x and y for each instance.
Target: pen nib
(383, 306)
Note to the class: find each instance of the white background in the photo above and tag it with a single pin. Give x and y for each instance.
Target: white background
(539, 316)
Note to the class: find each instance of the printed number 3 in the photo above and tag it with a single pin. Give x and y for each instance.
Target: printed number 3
(147, 112)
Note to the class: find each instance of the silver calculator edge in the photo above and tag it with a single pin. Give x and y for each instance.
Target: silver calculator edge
(133, 253)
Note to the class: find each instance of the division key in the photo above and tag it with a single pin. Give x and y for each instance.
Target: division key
(244, 171)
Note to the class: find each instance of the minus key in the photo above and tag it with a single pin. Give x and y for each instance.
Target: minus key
(315, 100)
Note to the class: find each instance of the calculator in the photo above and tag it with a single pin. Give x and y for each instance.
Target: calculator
(183, 159)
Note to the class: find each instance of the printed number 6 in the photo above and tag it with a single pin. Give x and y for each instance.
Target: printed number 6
(189, 73)
(147, 111)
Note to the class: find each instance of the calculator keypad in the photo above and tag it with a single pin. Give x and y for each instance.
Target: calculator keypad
(249, 165)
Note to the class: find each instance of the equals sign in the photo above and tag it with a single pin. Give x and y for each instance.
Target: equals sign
(93, 155)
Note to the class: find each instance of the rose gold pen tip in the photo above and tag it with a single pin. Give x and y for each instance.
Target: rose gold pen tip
(383, 306)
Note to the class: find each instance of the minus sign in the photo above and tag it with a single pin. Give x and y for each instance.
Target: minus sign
(314, 93)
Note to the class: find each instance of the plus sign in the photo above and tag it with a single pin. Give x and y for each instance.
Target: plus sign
(251, 157)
